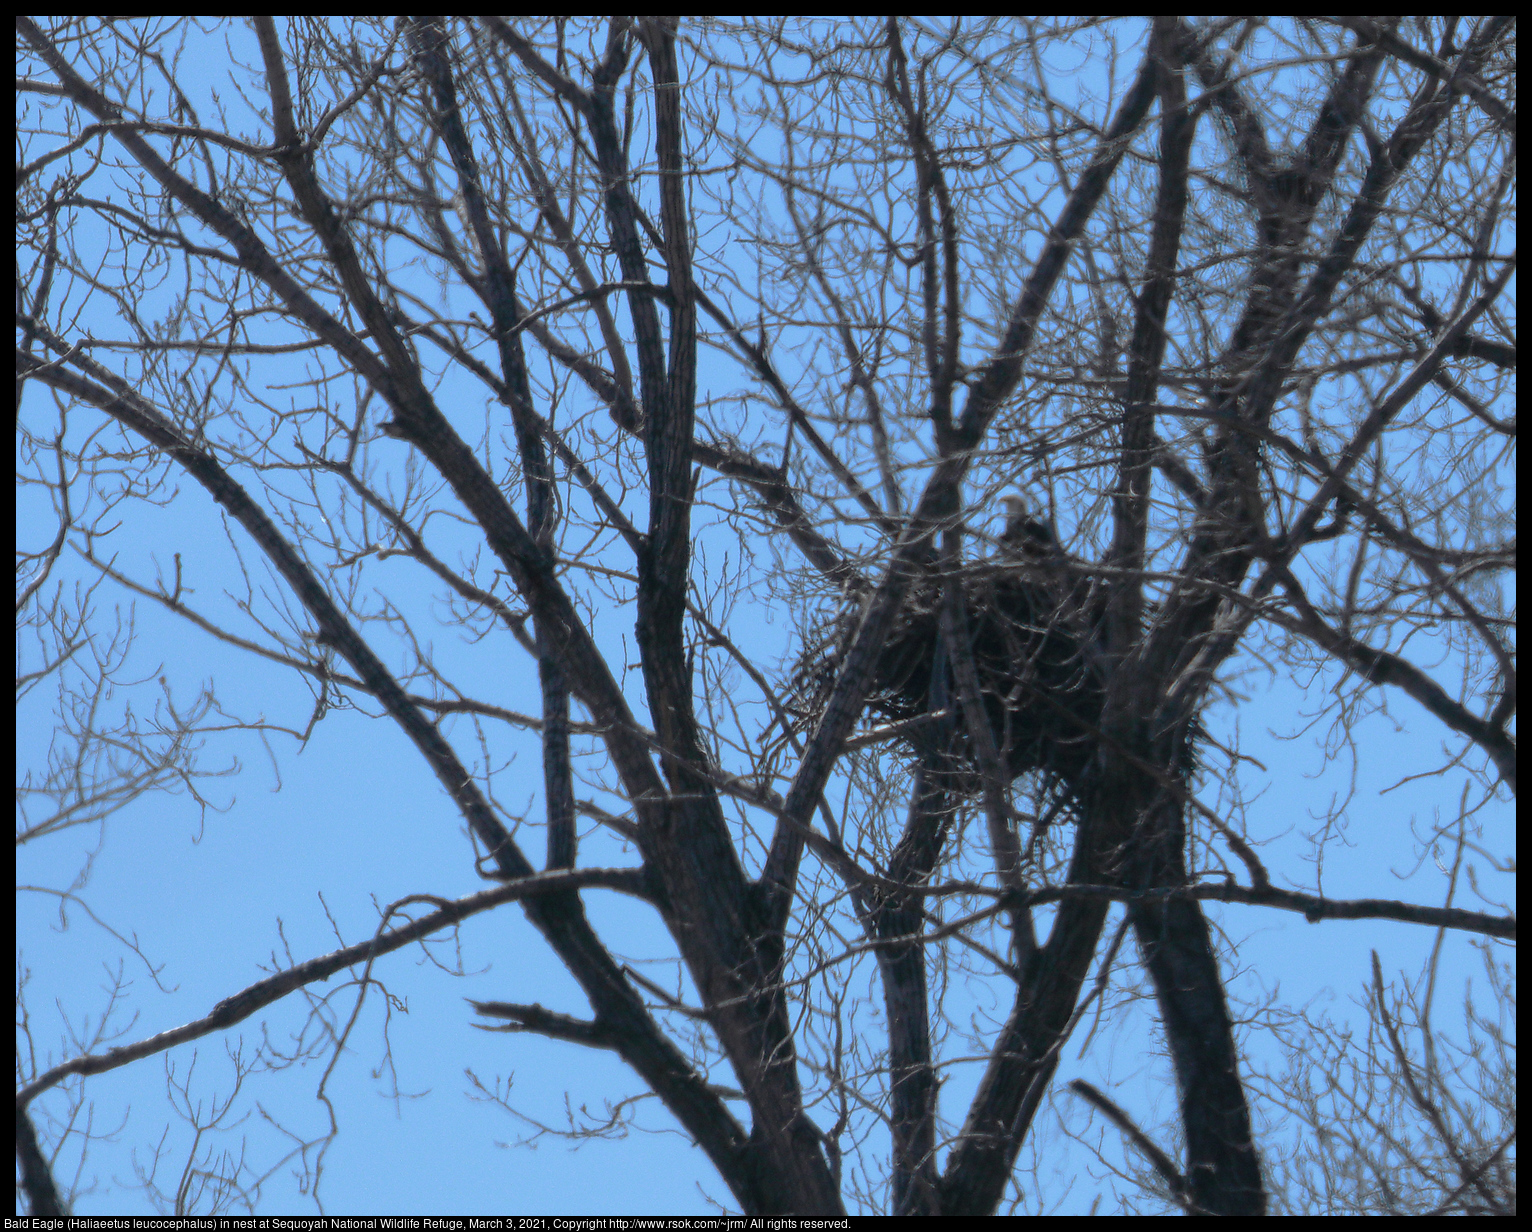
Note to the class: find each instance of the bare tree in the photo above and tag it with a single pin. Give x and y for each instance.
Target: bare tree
(1404, 1119)
(529, 313)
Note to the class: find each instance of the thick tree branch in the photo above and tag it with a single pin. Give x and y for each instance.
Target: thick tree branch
(235, 1009)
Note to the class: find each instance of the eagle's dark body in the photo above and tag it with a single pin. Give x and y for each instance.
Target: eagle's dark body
(1024, 534)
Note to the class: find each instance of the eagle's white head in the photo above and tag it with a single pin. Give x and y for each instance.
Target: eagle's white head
(1024, 531)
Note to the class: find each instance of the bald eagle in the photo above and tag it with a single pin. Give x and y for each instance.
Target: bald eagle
(1025, 534)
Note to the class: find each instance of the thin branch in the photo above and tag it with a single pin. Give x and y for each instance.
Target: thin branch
(257, 996)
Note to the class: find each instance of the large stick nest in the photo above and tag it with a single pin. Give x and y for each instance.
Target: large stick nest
(1035, 651)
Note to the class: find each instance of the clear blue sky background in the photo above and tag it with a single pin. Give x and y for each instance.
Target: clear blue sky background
(312, 842)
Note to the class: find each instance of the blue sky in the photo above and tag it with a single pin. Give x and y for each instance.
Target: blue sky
(300, 847)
